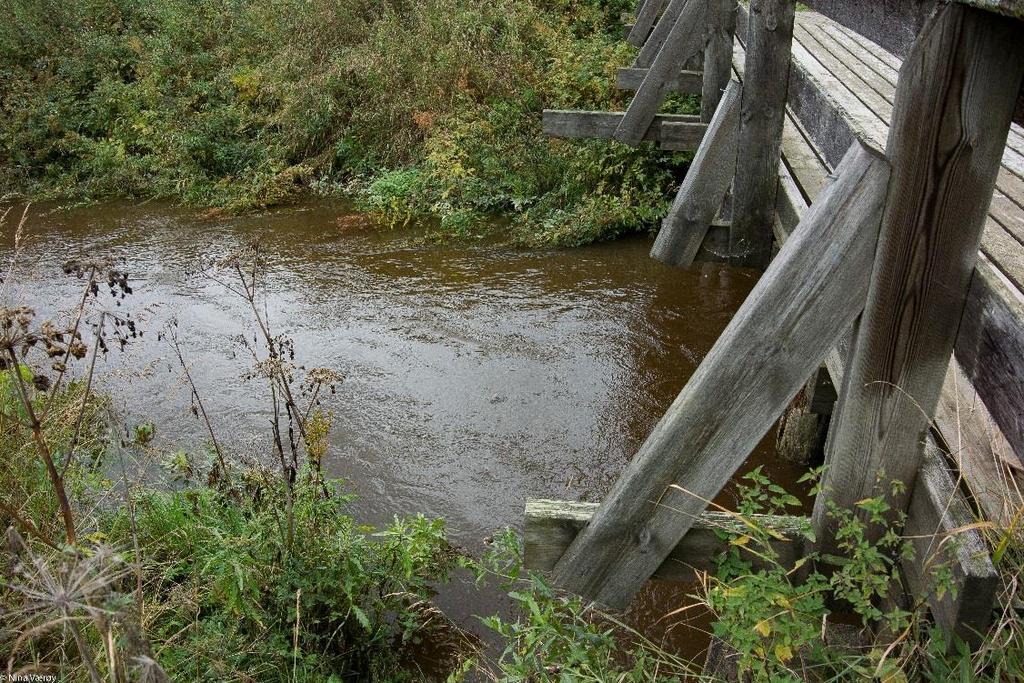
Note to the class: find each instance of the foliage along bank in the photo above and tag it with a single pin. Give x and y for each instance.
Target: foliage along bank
(421, 109)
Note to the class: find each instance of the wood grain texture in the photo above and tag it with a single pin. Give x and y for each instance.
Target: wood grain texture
(966, 431)
(685, 82)
(809, 295)
(717, 55)
(662, 29)
(953, 107)
(990, 347)
(705, 185)
(645, 19)
(939, 526)
(963, 423)
(762, 114)
(685, 39)
(551, 525)
(681, 130)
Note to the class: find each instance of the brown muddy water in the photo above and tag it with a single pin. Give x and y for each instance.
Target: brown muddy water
(477, 374)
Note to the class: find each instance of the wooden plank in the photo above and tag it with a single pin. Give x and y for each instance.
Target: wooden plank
(685, 38)
(963, 423)
(551, 525)
(1004, 251)
(939, 527)
(858, 83)
(861, 105)
(762, 114)
(645, 19)
(662, 29)
(705, 185)
(967, 432)
(825, 106)
(685, 82)
(681, 137)
(1008, 212)
(869, 57)
(717, 55)
(953, 108)
(990, 347)
(808, 296)
(673, 131)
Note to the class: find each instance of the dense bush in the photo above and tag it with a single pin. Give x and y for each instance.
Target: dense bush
(427, 108)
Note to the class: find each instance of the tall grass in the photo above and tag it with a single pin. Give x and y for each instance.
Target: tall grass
(429, 108)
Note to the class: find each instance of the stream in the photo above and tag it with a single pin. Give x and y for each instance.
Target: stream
(477, 374)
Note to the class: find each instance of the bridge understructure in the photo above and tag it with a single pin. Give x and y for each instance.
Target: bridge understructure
(884, 200)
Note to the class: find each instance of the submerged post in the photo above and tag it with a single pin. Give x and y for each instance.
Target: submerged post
(762, 115)
(717, 55)
(954, 100)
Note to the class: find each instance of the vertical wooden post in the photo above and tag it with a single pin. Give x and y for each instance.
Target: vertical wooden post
(796, 312)
(762, 114)
(717, 55)
(954, 100)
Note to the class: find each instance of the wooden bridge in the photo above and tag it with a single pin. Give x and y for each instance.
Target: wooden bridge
(885, 198)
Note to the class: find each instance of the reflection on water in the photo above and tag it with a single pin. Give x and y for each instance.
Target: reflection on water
(477, 375)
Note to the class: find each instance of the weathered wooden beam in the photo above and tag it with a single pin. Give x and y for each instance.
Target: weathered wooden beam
(953, 106)
(705, 185)
(990, 347)
(551, 525)
(811, 292)
(763, 112)
(684, 39)
(963, 424)
(803, 427)
(657, 37)
(685, 82)
(676, 132)
(940, 527)
(717, 55)
(645, 18)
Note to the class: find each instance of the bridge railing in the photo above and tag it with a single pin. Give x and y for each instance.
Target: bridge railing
(887, 250)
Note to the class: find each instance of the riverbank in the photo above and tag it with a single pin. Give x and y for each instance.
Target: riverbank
(213, 520)
(427, 109)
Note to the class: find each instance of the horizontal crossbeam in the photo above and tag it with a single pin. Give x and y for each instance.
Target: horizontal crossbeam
(671, 132)
(551, 525)
(685, 82)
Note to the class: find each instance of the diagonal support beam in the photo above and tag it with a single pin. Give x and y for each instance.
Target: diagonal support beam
(805, 301)
(684, 40)
(662, 30)
(954, 101)
(645, 18)
(704, 187)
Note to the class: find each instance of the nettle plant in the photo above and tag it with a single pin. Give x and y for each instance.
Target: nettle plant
(777, 616)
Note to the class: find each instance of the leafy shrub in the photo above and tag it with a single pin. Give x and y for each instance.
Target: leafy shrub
(240, 104)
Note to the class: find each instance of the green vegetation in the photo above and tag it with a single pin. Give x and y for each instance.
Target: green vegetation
(421, 109)
(250, 567)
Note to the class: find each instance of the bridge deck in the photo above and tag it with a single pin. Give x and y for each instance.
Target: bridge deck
(841, 87)
(860, 78)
